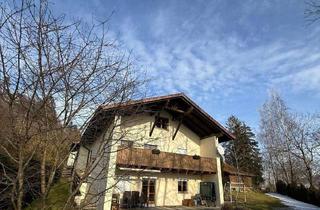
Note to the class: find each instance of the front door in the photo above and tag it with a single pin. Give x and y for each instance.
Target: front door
(149, 190)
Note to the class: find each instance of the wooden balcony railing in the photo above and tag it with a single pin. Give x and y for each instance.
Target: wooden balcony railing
(165, 161)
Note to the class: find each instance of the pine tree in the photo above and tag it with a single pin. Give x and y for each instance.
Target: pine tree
(244, 151)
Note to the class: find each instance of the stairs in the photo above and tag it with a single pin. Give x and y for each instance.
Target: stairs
(67, 172)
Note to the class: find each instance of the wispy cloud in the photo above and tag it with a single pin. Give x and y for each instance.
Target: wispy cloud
(221, 66)
(221, 53)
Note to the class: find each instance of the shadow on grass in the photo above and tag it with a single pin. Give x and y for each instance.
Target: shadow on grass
(57, 197)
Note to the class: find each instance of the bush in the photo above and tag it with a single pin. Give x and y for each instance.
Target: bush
(227, 206)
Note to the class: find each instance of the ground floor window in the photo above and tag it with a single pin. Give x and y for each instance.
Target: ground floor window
(182, 185)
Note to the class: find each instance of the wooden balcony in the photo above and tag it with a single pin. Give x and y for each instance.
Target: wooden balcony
(165, 161)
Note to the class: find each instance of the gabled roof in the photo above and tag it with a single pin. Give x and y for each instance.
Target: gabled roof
(194, 117)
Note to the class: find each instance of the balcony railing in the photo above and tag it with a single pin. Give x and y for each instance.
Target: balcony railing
(164, 161)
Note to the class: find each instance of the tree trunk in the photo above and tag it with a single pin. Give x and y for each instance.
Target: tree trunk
(20, 180)
(43, 176)
(43, 171)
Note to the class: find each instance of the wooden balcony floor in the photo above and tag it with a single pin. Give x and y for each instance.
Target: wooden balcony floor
(164, 161)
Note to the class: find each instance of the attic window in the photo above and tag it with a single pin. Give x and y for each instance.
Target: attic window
(126, 143)
(150, 146)
(162, 122)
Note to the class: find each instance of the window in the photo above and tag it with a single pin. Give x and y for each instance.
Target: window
(162, 122)
(182, 185)
(150, 146)
(182, 151)
(126, 143)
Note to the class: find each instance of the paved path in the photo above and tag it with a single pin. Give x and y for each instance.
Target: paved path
(292, 203)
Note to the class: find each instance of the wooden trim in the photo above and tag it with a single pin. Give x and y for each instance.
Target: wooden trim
(180, 121)
(218, 135)
(154, 124)
(178, 127)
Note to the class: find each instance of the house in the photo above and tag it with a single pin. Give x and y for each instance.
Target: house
(161, 150)
(235, 178)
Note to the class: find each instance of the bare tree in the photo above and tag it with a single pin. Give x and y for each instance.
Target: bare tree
(290, 142)
(274, 135)
(53, 76)
(305, 142)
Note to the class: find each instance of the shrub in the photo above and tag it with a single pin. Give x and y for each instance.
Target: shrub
(227, 206)
(300, 192)
(281, 187)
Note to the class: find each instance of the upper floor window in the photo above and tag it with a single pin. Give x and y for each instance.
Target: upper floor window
(182, 185)
(150, 146)
(162, 122)
(126, 143)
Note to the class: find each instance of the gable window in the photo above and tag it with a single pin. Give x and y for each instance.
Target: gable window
(162, 122)
(126, 143)
(150, 146)
(182, 185)
(182, 151)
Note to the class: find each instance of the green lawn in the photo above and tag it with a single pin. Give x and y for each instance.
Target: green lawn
(56, 199)
(256, 201)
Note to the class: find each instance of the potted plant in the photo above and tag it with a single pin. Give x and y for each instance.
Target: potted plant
(155, 151)
(196, 157)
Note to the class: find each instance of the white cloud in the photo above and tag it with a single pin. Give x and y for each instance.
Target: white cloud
(307, 79)
(217, 65)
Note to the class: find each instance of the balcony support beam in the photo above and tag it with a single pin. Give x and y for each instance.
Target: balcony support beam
(180, 121)
(157, 116)
(178, 127)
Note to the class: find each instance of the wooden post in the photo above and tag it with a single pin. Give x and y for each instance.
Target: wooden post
(175, 133)
(230, 193)
(154, 124)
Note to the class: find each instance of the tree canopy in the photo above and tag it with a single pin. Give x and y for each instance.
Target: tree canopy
(243, 152)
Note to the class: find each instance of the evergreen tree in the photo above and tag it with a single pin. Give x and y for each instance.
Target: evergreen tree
(243, 152)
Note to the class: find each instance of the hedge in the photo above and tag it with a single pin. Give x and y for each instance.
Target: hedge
(299, 192)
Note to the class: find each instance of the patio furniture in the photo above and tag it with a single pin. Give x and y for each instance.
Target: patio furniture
(143, 200)
(115, 202)
(207, 193)
(130, 199)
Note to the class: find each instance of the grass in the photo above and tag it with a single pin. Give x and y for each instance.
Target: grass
(57, 197)
(256, 201)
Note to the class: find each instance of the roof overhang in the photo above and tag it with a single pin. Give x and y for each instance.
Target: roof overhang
(179, 105)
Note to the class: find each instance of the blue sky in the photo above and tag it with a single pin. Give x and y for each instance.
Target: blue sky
(225, 55)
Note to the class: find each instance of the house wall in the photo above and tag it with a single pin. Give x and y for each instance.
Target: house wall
(96, 158)
(81, 161)
(137, 129)
(208, 148)
(166, 190)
